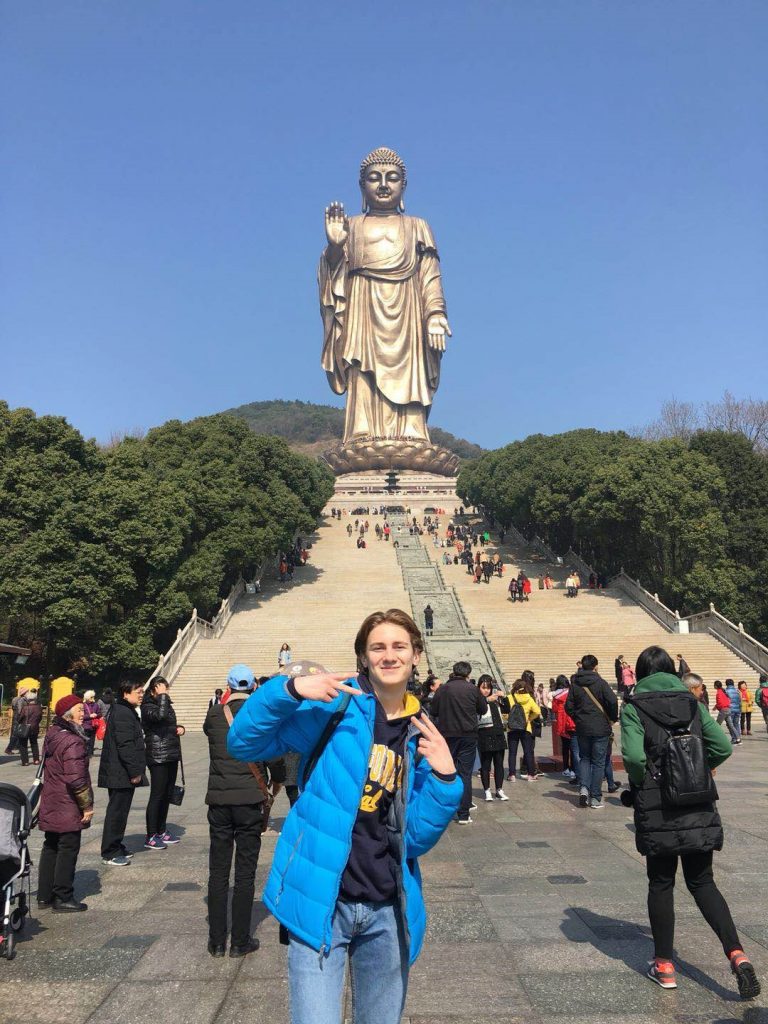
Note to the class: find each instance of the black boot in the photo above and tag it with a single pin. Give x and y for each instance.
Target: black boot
(250, 947)
(68, 906)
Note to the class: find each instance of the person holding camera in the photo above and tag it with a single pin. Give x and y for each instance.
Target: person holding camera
(671, 748)
(162, 739)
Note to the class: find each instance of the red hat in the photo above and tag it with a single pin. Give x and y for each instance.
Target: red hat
(66, 704)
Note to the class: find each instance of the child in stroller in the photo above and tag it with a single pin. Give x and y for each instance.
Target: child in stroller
(17, 819)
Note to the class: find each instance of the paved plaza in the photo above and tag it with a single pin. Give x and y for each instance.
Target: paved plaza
(536, 915)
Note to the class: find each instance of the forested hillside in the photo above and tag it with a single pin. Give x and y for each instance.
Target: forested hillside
(104, 553)
(689, 518)
(304, 424)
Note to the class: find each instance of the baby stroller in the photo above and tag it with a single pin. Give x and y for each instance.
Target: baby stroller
(17, 818)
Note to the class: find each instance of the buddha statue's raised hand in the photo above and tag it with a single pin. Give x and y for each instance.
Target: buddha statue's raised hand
(336, 225)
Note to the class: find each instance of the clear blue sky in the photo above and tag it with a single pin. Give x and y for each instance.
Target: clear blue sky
(595, 174)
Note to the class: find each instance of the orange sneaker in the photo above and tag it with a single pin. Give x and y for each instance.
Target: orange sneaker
(662, 972)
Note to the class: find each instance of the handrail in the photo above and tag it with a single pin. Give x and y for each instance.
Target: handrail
(571, 558)
(731, 635)
(650, 602)
(544, 549)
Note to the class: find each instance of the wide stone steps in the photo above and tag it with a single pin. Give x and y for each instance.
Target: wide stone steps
(550, 632)
(318, 615)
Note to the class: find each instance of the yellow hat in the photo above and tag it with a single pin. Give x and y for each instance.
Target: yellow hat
(27, 684)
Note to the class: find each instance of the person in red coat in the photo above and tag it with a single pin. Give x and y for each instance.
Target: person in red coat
(66, 806)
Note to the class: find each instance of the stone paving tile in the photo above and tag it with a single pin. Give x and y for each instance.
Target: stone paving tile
(184, 961)
(70, 964)
(184, 1002)
(460, 921)
(612, 992)
(48, 1002)
(249, 1002)
(439, 989)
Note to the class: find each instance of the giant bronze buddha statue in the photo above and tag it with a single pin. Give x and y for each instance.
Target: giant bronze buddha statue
(385, 326)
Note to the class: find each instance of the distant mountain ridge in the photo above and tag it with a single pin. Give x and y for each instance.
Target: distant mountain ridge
(310, 428)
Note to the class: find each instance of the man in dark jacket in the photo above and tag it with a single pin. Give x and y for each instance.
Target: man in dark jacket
(122, 767)
(593, 706)
(235, 815)
(456, 707)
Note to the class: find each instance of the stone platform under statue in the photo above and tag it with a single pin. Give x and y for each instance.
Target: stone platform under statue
(414, 489)
(387, 453)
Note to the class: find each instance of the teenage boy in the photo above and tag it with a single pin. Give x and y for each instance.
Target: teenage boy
(344, 880)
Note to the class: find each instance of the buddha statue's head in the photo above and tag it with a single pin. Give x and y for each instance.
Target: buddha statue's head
(382, 181)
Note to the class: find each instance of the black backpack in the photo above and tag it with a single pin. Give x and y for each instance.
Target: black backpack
(517, 717)
(683, 773)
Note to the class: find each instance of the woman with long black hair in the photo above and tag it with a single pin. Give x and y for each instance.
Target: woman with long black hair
(491, 740)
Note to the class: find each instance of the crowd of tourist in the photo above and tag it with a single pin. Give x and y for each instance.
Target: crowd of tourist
(267, 733)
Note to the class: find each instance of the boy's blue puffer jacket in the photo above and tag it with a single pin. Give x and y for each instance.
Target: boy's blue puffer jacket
(314, 846)
(734, 697)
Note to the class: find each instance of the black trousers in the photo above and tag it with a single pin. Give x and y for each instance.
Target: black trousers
(697, 870)
(115, 821)
(463, 750)
(56, 875)
(292, 792)
(495, 758)
(240, 825)
(521, 736)
(162, 781)
(25, 744)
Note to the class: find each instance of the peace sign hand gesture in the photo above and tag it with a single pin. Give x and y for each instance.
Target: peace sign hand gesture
(324, 686)
(433, 747)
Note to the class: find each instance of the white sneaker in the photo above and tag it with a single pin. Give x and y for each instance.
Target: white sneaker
(524, 776)
(488, 796)
(501, 795)
(465, 821)
(473, 806)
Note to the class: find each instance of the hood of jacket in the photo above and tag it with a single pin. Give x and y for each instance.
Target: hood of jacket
(60, 732)
(665, 699)
(584, 678)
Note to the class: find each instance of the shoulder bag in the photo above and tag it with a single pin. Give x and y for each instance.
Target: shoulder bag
(177, 793)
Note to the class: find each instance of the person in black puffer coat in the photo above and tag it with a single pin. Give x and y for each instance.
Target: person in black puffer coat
(162, 737)
(121, 770)
(668, 831)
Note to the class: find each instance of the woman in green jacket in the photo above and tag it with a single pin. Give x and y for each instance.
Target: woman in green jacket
(666, 831)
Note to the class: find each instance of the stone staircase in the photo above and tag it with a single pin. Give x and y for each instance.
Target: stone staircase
(318, 615)
(550, 632)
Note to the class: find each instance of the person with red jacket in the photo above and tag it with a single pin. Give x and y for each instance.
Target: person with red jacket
(565, 728)
(723, 708)
(66, 806)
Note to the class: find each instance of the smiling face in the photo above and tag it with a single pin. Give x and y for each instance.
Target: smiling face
(390, 656)
(382, 186)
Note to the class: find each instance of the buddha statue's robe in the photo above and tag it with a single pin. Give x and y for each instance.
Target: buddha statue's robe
(375, 304)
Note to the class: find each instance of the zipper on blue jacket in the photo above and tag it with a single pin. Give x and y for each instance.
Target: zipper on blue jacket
(329, 919)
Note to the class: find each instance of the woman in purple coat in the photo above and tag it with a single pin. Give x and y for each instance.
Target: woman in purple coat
(66, 806)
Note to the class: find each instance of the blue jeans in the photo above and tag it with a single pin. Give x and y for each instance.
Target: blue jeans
(609, 777)
(736, 723)
(592, 751)
(575, 756)
(372, 935)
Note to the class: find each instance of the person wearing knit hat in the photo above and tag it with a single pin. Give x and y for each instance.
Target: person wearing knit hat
(66, 806)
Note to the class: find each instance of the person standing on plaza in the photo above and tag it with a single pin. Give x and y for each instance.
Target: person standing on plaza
(747, 706)
(761, 697)
(235, 821)
(162, 739)
(734, 700)
(565, 727)
(66, 806)
(685, 828)
(121, 769)
(593, 706)
(382, 794)
(523, 713)
(93, 712)
(30, 714)
(491, 741)
(723, 708)
(457, 705)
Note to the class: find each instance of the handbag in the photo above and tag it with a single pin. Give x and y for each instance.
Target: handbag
(177, 793)
(22, 731)
(101, 728)
(261, 782)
